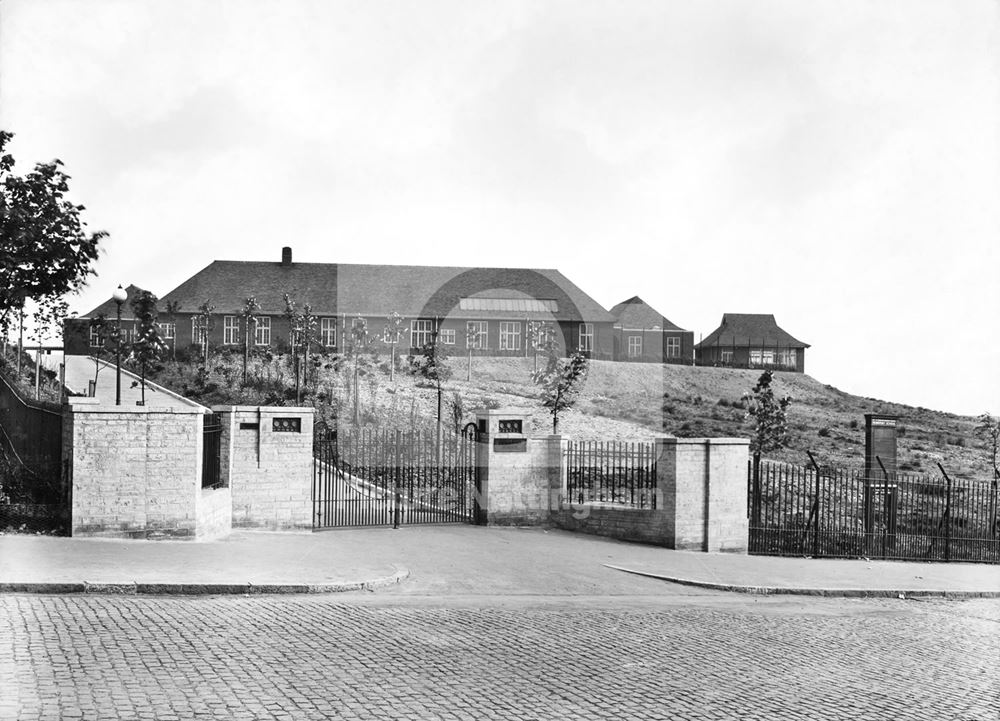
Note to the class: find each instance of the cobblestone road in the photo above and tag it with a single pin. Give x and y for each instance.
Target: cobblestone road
(720, 657)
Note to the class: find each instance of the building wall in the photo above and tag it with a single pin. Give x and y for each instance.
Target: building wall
(568, 335)
(712, 355)
(136, 471)
(654, 346)
(269, 472)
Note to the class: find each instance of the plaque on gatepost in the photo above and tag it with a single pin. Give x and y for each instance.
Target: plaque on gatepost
(880, 475)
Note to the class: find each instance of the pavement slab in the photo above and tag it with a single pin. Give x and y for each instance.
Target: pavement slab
(458, 560)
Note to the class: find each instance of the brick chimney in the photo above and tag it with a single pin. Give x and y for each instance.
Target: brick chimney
(286, 256)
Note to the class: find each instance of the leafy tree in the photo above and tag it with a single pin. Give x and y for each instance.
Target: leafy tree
(559, 381)
(172, 308)
(249, 314)
(147, 346)
(45, 250)
(431, 364)
(988, 429)
(359, 339)
(205, 323)
(308, 325)
(394, 331)
(457, 407)
(473, 335)
(768, 414)
(107, 340)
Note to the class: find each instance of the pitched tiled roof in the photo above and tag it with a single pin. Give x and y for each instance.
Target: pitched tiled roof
(410, 290)
(109, 307)
(636, 314)
(743, 329)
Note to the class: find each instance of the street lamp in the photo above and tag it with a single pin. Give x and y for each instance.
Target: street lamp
(119, 296)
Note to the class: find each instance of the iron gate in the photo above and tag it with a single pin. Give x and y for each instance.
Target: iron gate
(382, 477)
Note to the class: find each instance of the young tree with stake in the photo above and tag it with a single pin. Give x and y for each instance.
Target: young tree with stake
(768, 414)
(147, 346)
(559, 381)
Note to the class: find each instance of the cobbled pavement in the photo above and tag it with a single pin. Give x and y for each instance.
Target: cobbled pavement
(314, 657)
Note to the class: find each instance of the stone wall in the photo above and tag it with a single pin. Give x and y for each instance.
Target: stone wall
(269, 471)
(136, 471)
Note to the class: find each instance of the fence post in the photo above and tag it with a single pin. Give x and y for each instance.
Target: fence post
(755, 515)
(946, 519)
(395, 475)
(814, 511)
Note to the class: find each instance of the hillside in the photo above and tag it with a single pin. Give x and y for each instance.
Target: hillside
(617, 401)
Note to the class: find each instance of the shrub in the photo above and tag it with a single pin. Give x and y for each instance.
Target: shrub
(825, 432)
(853, 425)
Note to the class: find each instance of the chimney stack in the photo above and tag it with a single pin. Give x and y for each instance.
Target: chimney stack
(286, 256)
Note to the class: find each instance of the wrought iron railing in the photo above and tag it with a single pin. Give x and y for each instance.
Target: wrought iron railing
(620, 472)
(836, 512)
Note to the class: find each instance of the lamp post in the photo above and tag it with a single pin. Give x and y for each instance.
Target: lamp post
(119, 296)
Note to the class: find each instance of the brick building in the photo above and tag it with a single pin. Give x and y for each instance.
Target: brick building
(642, 334)
(498, 307)
(751, 340)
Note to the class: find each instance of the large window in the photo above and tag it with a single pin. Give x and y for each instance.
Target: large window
(447, 336)
(475, 334)
(198, 329)
(672, 347)
(328, 332)
(510, 335)
(634, 346)
(230, 330)
(787, 358)
(167, 330)
(726, 356)
(421, 333)
(96, 337)
(262, 330)
(586, 336)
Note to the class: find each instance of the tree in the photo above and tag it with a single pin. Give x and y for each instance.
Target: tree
(204, 324)
(559, 381)
(473, 335)
(394, 331)
(172, 308)
(770, 428)
(249, 313)
(107, 339)
(45, 250)
(988, 429)
(359, 339)
(147, 346)
(431, 364)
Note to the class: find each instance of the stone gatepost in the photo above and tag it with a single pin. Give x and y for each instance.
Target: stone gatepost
(702, 492)
(267, 463)
(519, 476)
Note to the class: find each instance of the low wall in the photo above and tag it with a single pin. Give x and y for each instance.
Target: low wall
(700, 488)
(267, 463)
(612, 520)
(136, 471)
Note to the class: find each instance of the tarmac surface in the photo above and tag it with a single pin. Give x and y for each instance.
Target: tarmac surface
(453, 560)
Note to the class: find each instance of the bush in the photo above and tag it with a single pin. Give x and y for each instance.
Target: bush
(825, 432)
(853, 425)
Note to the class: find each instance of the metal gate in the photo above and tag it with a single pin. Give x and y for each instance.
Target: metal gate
(381, 477)
(211, 459)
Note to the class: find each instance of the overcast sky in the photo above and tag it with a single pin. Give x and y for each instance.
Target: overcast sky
(833, 163)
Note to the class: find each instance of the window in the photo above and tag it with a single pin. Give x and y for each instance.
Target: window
(634, 346)
(767, 357)
(96, 337)
(421, 332)
(475, 334)
(167, 330)
(262, 330)
(755, 357)
(447, 336)
(328, 331)
(230, 330)
(726, 356)
(586, 336)
(672, 347)
(198, 330)
(517, 305)
(510, 335)
(788, 358)
(544, 333)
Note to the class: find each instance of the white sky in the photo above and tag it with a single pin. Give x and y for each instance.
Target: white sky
(832, 162)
